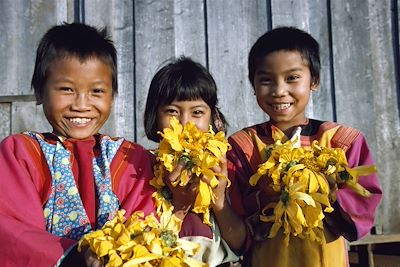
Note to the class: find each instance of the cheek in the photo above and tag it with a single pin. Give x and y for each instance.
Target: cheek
(162, 122)
(204, 123)
(105, 107)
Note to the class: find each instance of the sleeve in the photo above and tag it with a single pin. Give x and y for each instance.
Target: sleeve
(134, 190)
(214, 251)
(23, 235)
(242, 197)
(358, 210)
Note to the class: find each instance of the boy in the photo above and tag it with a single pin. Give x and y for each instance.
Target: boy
(58, 186)
(284, 69)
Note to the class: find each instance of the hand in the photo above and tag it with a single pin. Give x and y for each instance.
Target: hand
(91, 259)
(183, 197)
(219, 191)
(265, 186)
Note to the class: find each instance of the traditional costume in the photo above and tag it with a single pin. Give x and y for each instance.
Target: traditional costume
(55, 190)
(353, 214)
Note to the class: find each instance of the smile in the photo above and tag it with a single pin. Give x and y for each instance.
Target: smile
(281, 106)
(80, 121)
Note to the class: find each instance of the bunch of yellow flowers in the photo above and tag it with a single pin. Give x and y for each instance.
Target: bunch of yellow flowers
(306, 180)
(200, 151)
(141, 242)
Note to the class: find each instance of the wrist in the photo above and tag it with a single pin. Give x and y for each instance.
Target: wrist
(181, 211)
(219, 204)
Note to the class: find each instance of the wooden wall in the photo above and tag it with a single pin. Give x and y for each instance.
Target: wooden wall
(359, 50)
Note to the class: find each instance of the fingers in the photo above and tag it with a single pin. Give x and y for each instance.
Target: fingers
(91, 259)
(193, 183)
(175, 174)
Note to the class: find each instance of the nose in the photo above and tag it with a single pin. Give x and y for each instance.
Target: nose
(81, 102)
(279, 89)
(184, 118)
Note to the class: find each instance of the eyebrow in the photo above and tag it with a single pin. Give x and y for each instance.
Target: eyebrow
(197, 106)
(286, 71)
(68, 80)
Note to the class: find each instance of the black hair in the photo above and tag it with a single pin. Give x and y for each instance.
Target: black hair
(73, 40)
(286, 39)
(182, 79)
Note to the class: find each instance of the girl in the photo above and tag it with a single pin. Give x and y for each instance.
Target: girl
(186, 90)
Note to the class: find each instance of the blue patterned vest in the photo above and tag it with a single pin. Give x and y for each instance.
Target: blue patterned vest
(64, 212)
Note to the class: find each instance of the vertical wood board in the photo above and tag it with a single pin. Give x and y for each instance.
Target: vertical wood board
(352, 66)
(5, 121)
(386, 112)
(22, 24)
(232, 30)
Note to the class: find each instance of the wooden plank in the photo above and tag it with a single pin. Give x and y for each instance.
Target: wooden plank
(384, 113)
(312, 18)
(233, 27)
(22, 24)
(17, 98)
(365, 90)
(352, 66)
(119, 23)
(27, 116)
(4, 120)
(377, 239)
(162, 31)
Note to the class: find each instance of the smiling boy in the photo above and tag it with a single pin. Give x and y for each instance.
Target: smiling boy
(284, 70)
(58, 186)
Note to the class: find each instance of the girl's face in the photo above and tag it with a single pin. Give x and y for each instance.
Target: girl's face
(283, 85)
(78, 96)
(196, 111)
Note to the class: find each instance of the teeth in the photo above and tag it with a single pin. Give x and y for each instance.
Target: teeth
(79, 120)
(280, 106)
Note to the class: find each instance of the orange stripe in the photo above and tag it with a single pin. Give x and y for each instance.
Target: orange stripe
(344, 137)
(119, 163)
(33, 148)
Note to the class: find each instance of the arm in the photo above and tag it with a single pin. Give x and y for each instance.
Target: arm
(232, 227)
(354, 215)
(24, 239)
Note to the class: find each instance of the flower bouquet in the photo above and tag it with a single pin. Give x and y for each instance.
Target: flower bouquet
(141, 242)
(200, 151)
(305, 180)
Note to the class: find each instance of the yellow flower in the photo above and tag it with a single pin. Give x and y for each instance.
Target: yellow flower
(142, 241)
(307, 179)
(201, 152)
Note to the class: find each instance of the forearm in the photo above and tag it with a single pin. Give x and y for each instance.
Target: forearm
(232, 227)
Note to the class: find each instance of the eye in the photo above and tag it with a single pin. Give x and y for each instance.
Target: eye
(65, 89)
(265, 81)
(171, 111)
(198, 113)
(98, 91)
(293, 78)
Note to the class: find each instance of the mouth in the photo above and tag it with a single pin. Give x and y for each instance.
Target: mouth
(281, 106)
(79, 121)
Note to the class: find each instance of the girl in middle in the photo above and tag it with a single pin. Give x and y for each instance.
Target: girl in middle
(186, 90)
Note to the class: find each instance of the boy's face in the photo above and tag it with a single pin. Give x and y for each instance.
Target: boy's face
(77, 97)
(282, 85)
(196, 111)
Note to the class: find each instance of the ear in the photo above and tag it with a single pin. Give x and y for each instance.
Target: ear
(314, 86)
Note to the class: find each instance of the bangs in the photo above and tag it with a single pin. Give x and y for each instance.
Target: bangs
(188, 88)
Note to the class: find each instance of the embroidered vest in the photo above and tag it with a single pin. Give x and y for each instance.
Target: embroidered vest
(64, 212)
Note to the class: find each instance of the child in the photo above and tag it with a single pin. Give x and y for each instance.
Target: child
(284, 69)
(58, 186)
(186, 90)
